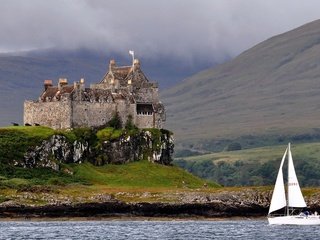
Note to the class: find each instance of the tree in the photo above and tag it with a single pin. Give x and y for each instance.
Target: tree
(115, 121)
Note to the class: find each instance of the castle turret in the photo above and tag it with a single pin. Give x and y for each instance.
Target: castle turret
(62, 82)
(47, 83)
(136, 64)
(112, 64)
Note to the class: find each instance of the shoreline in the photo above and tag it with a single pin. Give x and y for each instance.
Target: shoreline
(126, 218)
(143, 210)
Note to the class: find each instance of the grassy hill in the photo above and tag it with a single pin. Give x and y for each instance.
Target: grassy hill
(256, 166)
(138, 181)
(80, 181)
(270, 89)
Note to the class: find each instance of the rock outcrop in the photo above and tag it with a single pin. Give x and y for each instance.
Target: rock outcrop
(54, 151)
(156, 148)
(58, 149)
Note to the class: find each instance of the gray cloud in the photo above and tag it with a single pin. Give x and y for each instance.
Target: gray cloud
(181, 28)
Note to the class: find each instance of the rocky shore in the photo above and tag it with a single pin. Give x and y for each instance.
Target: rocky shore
(221, 204)
(118, 209)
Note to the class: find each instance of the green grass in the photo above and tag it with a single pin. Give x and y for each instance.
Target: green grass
(136, 175)
(16, 177)
(263, 154)
(139, 175)
(109, 133)
(32, 131)
(14, 141)
(133, 182)
(257, 166)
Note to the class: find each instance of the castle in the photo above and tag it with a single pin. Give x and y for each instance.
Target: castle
(124, 90)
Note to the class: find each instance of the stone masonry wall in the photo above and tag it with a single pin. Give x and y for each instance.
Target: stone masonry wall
(92, 114)
(98, 114)
(55, 114)
(67, 114)
(147, 95)
(145, 121)
(125, 109)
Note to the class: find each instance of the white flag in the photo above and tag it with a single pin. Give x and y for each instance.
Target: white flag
(131, 52)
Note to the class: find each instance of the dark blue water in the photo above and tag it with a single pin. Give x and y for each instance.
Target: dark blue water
(154, 230)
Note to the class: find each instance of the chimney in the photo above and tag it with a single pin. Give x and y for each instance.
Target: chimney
(82, 84)
(136, 63)
(112, 64)
(62, 82)
(47, 83)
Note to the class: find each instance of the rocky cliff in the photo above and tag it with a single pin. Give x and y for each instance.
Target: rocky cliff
(155, 145)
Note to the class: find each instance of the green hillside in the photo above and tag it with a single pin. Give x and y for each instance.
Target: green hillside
(137, 175)
(142, 174)
(257, 166)
(138, 181)
(270, 89)
(80, 180)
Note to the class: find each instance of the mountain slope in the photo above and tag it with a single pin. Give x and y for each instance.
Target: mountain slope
(272, 88)
(22, 76)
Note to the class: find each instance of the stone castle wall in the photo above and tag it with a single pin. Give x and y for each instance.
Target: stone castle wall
(145, 121)
(70, 114)
(98, 114)
(55, 114)
(147, 95)
(91, 114)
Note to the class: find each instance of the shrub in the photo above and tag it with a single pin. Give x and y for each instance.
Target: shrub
(85, 134)
(108, 134)
(115, 121)
(129, 124)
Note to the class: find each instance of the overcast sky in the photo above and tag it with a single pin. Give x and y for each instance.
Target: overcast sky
(182, 28)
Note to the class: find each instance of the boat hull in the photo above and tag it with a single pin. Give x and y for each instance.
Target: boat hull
(294, 220)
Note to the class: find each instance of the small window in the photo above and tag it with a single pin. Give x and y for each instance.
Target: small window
(144, 109)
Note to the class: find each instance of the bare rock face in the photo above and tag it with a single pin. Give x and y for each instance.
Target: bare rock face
(156, 148)
(54, 151)
(50, 153)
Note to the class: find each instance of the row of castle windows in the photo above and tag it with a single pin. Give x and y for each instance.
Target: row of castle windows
(144, 113)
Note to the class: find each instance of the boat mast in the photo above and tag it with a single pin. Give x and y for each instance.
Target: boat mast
(288, 181)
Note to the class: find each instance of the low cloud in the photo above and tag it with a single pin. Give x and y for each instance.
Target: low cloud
(183, 29)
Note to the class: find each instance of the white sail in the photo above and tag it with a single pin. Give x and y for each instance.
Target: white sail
(278, 199)
(295, 197)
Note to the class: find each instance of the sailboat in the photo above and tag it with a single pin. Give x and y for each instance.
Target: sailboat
(290, 202)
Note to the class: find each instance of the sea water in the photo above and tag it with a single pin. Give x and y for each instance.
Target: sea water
(154, 230)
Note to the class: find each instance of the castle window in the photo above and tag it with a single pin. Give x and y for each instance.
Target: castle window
(144, 109)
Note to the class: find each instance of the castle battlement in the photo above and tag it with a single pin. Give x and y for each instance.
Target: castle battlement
(123, 89)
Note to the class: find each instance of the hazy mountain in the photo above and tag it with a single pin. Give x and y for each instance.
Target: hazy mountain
(22, 73)
(272, 88)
